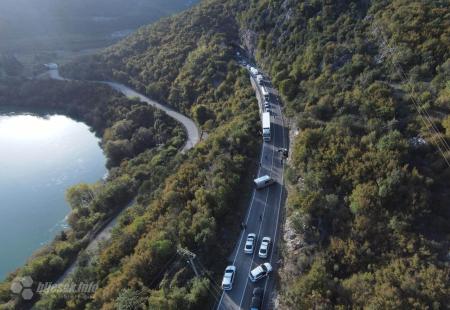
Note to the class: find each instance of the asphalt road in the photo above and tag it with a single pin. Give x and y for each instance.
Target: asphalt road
(267, 203)
(193, 133)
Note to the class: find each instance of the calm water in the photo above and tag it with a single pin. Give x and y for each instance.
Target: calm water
(39, 159)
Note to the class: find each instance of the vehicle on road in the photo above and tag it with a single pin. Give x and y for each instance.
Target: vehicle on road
(264, 247)
(254, 71)
(260, 79)
(250, 244)
(266, 126)
(265, 93)
(263, 181)
(266, 104)
(260, 272)
(228, 278)
(257, 298)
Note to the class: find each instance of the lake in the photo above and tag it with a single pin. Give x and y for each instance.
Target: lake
(40, 158)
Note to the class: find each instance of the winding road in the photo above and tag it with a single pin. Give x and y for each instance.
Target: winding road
(193, 137)
(263, 217)
(193, 133)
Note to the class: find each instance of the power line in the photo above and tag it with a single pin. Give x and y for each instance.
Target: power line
(418, 105)
(165, 267)
(440, 142)
(215, 285)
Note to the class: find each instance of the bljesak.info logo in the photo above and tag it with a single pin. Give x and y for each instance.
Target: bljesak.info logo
(26, 287)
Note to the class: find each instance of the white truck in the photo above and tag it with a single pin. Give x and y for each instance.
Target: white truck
(266, 126)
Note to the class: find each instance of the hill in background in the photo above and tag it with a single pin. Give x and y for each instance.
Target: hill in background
(54, 24)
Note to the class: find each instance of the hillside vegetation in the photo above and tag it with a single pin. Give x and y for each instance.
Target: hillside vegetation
(369, 190)
(368, 186)
(188, 63)
(196, 206)
(140, 143)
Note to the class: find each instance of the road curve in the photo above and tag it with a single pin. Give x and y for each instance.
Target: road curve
(192, 131)
(263, 217)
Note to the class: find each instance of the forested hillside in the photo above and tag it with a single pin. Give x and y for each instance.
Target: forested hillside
(140, 143)
(368, 207)
(188, 63)
(182, 61)
(368, 194)
(369, 186)
(195, 71)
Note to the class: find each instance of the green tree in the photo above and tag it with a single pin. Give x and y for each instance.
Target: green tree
(130, 299)
(80, 195)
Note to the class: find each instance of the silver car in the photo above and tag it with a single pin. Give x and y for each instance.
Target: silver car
(264, 247)
(250, 244)
(228, 278)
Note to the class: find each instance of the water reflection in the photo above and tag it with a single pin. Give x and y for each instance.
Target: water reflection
(40, 157)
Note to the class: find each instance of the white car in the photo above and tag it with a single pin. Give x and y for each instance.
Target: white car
(264, 247)
(250, 244)
(228, 278)
(260, 272)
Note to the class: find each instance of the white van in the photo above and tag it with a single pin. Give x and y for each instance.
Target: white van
(263, 181)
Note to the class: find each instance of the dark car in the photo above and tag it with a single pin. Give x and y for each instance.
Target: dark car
(257, 299)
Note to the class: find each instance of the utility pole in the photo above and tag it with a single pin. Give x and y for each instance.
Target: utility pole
(190, 256)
